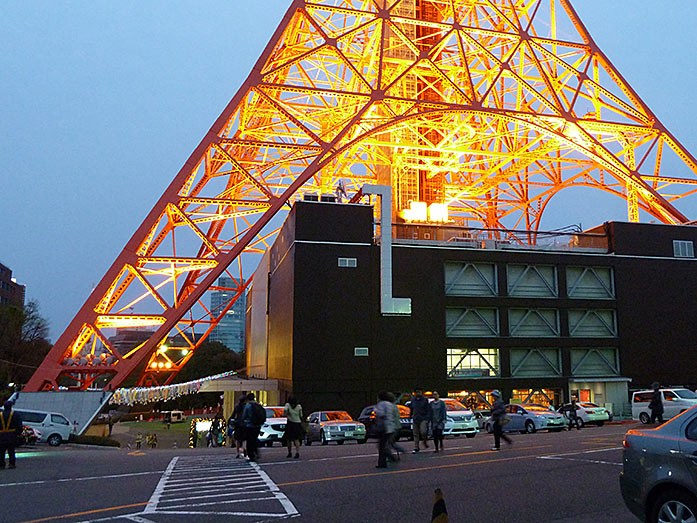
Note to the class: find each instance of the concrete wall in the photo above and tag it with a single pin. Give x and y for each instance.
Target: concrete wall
(79, 407)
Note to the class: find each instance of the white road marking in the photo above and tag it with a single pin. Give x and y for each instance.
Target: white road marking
(595, 461)
(337, 458)
(155, 498)
(209, 486)
(88, 478)
(139, 519)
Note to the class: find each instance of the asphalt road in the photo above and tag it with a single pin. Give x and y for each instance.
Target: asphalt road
(543, 477)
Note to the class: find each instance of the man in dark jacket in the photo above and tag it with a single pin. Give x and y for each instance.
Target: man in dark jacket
(10, 430)
(656, 404)
(498, 414)
(420, 413)
(252, 427)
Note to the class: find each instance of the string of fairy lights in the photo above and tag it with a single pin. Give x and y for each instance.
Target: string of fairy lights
(143, 395)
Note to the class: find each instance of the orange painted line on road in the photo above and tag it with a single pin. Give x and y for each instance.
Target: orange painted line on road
(95, 511)
(419, 469)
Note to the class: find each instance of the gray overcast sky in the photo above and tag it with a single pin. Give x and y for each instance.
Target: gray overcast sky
(102, 102)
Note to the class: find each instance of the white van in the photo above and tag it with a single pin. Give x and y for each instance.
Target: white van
(54, 427)
(675, 401)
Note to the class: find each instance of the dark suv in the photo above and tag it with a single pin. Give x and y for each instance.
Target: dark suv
(367, 417)
(659, 478)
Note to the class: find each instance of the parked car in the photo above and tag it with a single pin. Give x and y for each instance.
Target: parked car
(529, 417)
(367, 417)
(659, 474)
(675, 401)
(274, 427)
(54, 427)
(29, 436)
(587, 413)
(460, 420)
(333, 425)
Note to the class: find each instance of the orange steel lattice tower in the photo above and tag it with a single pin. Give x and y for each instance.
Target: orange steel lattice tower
(486, 107)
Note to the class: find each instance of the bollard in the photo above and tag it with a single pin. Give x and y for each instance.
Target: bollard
(440, 514)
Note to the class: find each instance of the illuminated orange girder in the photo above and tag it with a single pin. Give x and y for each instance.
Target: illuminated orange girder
(489, 106)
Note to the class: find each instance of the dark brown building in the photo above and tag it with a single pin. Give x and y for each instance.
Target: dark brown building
(590, 314)
(11, 292)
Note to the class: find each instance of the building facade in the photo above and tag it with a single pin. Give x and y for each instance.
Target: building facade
(230, 330)
(591, 314)
(11, 292)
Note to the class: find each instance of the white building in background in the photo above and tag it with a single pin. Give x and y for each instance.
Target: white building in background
(230, 329)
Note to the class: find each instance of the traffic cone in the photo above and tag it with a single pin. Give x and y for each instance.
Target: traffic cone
(440, 513)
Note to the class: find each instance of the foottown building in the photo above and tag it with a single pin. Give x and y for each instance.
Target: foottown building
(589, 314)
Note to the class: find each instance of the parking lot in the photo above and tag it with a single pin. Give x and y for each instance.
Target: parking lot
(567, 476)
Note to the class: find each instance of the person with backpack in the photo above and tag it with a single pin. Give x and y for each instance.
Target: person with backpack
(236, 425)
(254, 417)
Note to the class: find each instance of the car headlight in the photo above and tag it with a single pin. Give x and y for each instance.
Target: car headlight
(359, 429)
(332, 428)
(448, 418)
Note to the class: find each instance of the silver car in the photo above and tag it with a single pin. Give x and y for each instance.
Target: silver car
(659, 478)
(529, 417)
(333, 425)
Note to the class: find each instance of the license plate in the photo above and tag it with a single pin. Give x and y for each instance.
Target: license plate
(349, 434)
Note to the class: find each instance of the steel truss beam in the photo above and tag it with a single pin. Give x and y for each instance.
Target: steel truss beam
(489, 106)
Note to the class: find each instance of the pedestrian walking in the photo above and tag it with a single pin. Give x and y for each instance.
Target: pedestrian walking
(237, 422)
(294, 433)
(498, 413)
(215, 429)
(572, 415)
(10, 431)
(139, 440)
(656, 403)
(384, 428)
(420, 414)
(254, 417)
(438, 417)
(397, 420)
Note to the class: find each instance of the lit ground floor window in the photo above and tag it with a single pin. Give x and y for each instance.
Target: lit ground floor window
(541, 396)
(472, 363)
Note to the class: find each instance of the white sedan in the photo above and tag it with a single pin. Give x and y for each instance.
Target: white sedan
(588, 413)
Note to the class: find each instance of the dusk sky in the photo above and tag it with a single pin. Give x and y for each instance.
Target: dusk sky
(102, 102)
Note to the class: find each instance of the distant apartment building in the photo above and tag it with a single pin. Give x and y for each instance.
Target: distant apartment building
(11, 292)
(231, 328)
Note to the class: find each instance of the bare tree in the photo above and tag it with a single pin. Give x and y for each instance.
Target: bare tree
(23, 342)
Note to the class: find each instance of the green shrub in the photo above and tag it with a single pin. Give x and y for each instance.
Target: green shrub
(93, 440)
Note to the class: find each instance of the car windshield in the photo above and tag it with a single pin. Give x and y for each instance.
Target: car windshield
(274, 412)
(454, 405)
(588, 404)
(686, 394)
(336, 416)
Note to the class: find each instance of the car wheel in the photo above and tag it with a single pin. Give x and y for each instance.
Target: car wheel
(323, 438)
(489, 428)
(644, 418)
(340, 442)
(361, 441)
(54, 440)
(673, 505)
(269, 443)
(396, 438)
(580, 423)
(530, 427)
(308, 442)
(601, 423)
(470, 436)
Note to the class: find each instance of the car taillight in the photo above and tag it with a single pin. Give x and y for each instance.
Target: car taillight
(590, 412)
